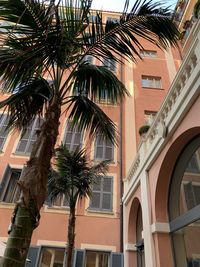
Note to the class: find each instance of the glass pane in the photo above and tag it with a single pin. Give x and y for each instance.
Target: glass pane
(59, 257)
(68, 138)
(103, 259)
(187, 245)
(190, 185)
(90, 259)
(46, 257)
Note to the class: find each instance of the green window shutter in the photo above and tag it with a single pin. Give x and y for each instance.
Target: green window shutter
(32, 258)
(79, 258)
(117, 260)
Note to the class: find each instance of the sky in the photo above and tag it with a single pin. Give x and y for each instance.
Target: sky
(117, 5)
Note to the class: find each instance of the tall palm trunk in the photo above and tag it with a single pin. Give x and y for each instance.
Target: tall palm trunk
(33, 185)
(70, 237)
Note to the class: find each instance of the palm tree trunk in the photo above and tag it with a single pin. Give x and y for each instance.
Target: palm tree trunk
(33, 184)
(70, 237)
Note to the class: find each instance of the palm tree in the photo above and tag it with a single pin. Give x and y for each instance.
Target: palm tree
(73, 179)
(43, 39)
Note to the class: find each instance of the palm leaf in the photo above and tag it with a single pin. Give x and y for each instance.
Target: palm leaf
(88, 116)
(94, 81)
(27, 102)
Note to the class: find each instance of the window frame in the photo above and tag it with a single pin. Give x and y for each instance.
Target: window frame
(32, 127)
(3, 118)
(104, 146)
(102, 192)
(5, 184)
(146, 53)
(152, 82)
(73, 132)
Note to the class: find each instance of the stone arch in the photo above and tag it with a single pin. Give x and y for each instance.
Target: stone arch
(132, 220)
(166, 170)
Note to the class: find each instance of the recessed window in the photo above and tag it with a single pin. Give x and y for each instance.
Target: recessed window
(104, 149)
(28, 139)
(151, 82)
(73, 137)
(9, 190)
(97, 259)
(51, 257)
(102, 192)
(88, 59)
(3, 132)
(110, 64)
(148, 53)
(149, 116)
(61, 202)
(112, 19)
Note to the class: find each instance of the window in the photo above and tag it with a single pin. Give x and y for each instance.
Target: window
(61, 202)
(148, 53)
(97, 259)
(51, 257)
(184, 206)
(3, 132)
(112, 19)
(73, 137)
(10, 191)
(88, 59)
(192, 195)
(104, 149)
(28, 139)
(88, 258)
(149, 116)
(92, 18)
(110, 64)
(151, 81)
(102, 194)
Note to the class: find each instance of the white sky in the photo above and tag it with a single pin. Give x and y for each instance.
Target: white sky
(117, 5)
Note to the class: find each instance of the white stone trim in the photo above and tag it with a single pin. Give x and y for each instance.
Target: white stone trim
(160, 227)
(130, 247)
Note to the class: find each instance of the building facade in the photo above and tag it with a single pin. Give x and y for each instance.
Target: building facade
(99, 220)
(161, 198)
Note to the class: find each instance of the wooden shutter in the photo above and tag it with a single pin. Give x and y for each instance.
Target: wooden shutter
(79, 258)
(117, 260)
(32, 258)
(4, 181)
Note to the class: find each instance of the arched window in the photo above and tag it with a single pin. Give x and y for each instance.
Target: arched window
(184, 206)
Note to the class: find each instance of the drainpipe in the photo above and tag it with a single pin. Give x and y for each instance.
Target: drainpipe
(121, 166)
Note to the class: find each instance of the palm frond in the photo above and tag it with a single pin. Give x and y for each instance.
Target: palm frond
(74, 176)
(26, 102)
(88, 116)
(96, 81)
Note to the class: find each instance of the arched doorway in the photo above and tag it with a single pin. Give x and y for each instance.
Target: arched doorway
(184, 206)
(139, 239)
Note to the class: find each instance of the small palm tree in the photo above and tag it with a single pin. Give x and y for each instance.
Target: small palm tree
(42, 40)
(73, 179)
